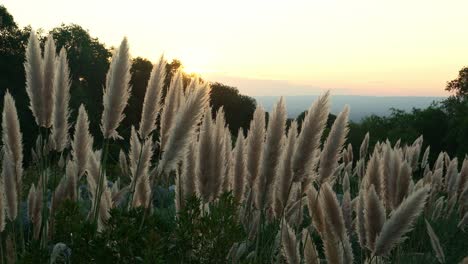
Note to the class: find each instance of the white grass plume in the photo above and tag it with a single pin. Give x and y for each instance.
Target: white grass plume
(309, 138)
(12, 138)
(284, 172)
(374, 217)
(62, 96)
(2, 206)
(239, 171)
(290, 246)
(10, 187)
(151, 103)
(271, 154)
(49, 76)
(116, 92)
(404, 178)
(400, 222)
(188, 170)
(170, 107)
(334, 217)
(255, 140)
(333, 145)
(34, 77)
(435, 243)
(310, 252)
(82, 142)
(185, 123)
(364, 147)
(204, 154)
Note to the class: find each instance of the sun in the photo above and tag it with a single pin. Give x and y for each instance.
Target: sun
(196, 61)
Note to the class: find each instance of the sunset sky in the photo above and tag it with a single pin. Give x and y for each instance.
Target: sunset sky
(367, 47)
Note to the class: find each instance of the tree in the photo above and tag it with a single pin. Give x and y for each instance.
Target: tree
(459, 86)
(238, 108)
(6, 19)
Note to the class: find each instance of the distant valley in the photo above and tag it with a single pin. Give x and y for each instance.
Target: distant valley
(361, 106)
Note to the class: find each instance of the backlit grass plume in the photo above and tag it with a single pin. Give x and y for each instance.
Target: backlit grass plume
(185, 123)
(82, 141)
(62, 96)
(151, 103)
(308, 140)
(116, 92)
(400, 222)
(34, 77)
(47, 94)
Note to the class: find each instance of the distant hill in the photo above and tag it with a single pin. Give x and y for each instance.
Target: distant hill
(361, 106)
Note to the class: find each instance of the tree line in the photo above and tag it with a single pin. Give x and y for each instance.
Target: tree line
(443, 125)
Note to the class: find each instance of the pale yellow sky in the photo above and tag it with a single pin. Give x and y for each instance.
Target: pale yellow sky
(374, 47)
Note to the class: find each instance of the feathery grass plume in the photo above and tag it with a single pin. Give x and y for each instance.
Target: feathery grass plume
(36, 209)
(31, 200)
(404, 178)
(333, 145)
(152, 101)
(316, 210)
(71, 174)
(303, 160)
(34, 77)
(217, 145)
(82, 141)
(169, 110)
(400, 222)
(439, 163)
(204, 157)
(238, 167)
(361, 219)
(271, 154)
(334, 217)
(134, 153)
(12, 139)
(451, 177)
(438, 208)
(116, 92)
(346, 184)
(389, 176)
(425, 158)
(123, 164)
(374, 217)
(227, 183)
(142, 191)
(347, 211)
(333, 249)
(10, 187)
(310, 252)
(140, 179)
(105, 203)
(284, 172)
(435, 243)
(350, 153)
(185, 124)
(61, 90)
(364, 147)
(49, 76)
(2, 206)
(446, 159)
(290, 246)
(255, 140)
(188, 170)
(463, 177)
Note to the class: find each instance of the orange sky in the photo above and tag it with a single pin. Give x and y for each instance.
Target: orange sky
(371, 47)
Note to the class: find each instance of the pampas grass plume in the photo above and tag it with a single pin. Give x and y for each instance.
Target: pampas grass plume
(116, 92)
(400, 222)
(62, 96)
(151, 103)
